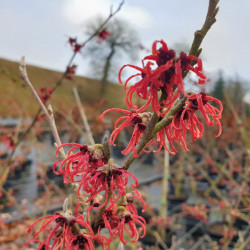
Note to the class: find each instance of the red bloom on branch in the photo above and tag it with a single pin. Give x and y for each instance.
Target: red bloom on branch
(45, 94)
(85, 241)
(108, 178)
(8, 141)
(135, 119)
(103, 35)
(70, 72)
(201, 102)
(130, 198)
(61, 232)
(88, 159)
(129, 222)
(118, 220)
(147, 88)
(166, 79)
(199, 212)
(162, 55)
(186, 64)
(74, 45)
(186, 120)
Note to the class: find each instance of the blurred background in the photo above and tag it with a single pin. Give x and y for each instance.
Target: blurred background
(208, 199)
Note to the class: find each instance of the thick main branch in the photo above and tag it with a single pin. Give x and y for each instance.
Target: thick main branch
(154, 127)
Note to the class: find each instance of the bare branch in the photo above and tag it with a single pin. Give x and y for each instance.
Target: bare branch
(59, 82)
(104, 22)
(48, 112)
(209, 21)
(84, 117)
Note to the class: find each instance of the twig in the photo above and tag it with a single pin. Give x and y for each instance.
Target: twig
(84, 117)
(200, 34)
(187, 234)
(160, 241)
(59, 82)
(48, 112)
(71, 121)
(164, 192)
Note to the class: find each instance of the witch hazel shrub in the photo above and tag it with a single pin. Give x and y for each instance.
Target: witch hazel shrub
(105, 209)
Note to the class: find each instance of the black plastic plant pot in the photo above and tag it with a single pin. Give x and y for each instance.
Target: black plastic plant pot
(221, 186)
(3, 156)
(240, 224)
(174, 200)
(150, 239)
(213, 194)
(169, 235)
(26, 164)
(202, 186)
(213, 175)
(191, 222)
(215, 230)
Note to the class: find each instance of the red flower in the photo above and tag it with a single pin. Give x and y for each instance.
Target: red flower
(107, 178)
(45, 94)
(85, 241)
(186, 120)
(8, 141)
(162, 55)
(72, 41)
(61, 234)
(70, 72)
(74, 45)
(103, 35)
(109, 220)
(86, 160)
(135, 119)
(127, 218)
(130, 198)
(166, 79)
(147, 88)
(160, 221)
(200, 102)
(116, 221)
(199, 212)
(186, 65)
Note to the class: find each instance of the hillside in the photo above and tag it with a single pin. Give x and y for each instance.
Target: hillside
(16, 99)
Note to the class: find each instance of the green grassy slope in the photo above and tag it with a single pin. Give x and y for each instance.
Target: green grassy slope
(16, 98)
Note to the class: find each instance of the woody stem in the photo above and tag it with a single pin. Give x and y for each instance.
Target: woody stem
(154, 127)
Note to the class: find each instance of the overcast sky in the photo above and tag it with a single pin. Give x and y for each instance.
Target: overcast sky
(39, 29)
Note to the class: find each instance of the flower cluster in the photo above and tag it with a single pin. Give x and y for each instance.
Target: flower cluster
(74, 45)
(103, 35)
(66, 231)
(105, 198)
(101, 184)
(186, 120)
(70, 72)
(45, 94)
(161, 84)
(198, 212)
(135, 119)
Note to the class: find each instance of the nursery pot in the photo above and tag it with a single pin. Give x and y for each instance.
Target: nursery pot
(190, 222)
